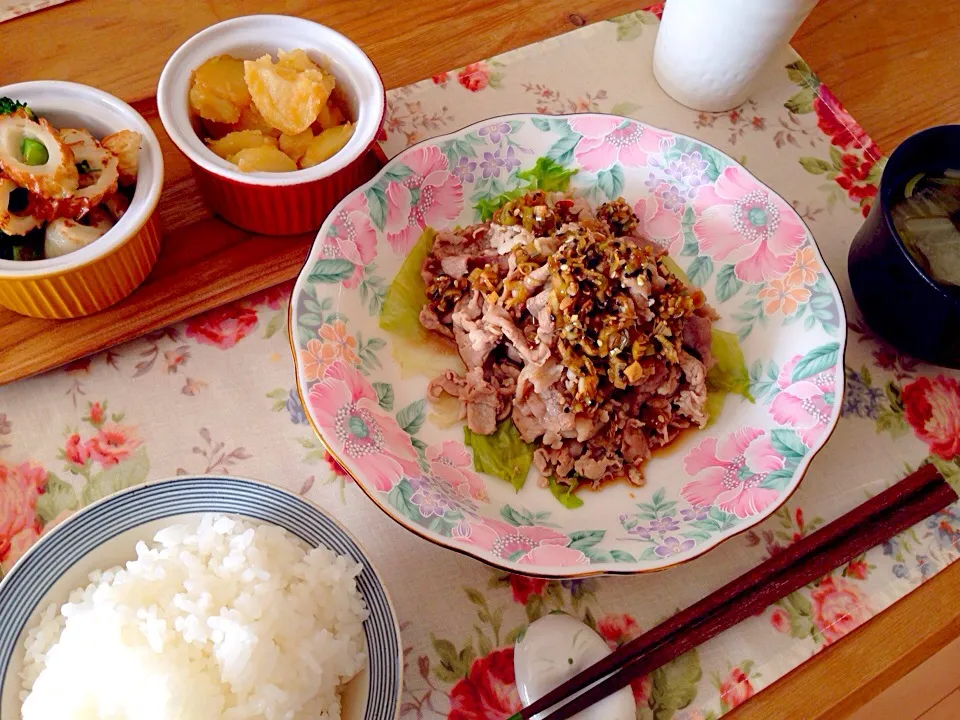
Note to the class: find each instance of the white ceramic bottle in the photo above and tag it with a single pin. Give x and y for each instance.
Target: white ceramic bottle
(710, 52)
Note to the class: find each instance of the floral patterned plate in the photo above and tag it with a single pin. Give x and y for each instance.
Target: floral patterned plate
(743, 244)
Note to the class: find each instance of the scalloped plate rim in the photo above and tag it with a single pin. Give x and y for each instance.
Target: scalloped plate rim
(600, 568)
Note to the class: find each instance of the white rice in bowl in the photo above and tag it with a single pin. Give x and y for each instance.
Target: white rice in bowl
(224, 619)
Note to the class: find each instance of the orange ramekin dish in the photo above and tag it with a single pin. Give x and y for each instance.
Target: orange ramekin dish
(113, 266)
(275, 203)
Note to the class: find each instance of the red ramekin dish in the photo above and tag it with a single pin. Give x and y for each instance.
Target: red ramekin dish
(275, 203)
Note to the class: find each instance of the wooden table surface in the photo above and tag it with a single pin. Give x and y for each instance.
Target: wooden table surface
(893, 63)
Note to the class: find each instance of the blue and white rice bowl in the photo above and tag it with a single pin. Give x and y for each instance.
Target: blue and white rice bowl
(104, 535)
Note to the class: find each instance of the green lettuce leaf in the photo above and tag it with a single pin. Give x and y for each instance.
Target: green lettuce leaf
(729, 374)
(503, 454)
(546, 174)
(487, 206)
(714, 405)
(564, 493)
(672, 266)
(407, 293)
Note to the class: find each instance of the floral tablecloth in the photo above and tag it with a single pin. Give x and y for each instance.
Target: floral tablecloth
(215, 395)
(10, 9)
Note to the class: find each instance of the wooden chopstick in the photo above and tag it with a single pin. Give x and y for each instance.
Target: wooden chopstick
(735, 589)
(921, 506)
(881, 517)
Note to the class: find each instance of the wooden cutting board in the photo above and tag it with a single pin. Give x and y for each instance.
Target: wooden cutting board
(204, 263)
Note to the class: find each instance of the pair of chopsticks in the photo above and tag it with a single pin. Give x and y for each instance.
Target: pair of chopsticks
(883, 516)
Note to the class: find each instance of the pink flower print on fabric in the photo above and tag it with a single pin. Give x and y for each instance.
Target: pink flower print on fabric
(805, 405)
(609, 140)
(352, 236)
(742, 223)
(731, 472)
(430, 195)
(350, 419)
(526, 545)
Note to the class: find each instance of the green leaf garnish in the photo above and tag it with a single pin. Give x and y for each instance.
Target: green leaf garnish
(670, 264)
(503, 454)
(546, 174)
(564, 493)
(489, 205)
(407, 293)
(714, 405)
(729, 374)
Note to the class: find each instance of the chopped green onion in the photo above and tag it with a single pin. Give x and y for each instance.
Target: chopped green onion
(83, 167)
(33, 152)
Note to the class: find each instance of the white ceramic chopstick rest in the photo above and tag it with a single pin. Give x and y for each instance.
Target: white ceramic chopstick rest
(557, 647)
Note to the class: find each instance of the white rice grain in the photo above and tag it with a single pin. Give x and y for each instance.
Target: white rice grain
(223, 619)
